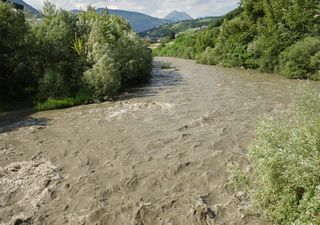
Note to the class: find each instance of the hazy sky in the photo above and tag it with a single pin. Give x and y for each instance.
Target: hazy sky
(157, 8)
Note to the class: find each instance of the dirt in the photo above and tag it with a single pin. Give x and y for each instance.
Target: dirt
(158, 155)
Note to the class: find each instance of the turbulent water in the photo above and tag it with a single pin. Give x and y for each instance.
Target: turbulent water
(157, 155)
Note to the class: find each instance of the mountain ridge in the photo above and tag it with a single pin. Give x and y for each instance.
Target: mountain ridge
(140, 22)
(27, 7)
(176, 16)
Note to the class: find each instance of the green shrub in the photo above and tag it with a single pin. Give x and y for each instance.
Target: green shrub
(301, 60)
(103, 80)
(51, 85)
(286, 162)
(184, 47)
(207, 57)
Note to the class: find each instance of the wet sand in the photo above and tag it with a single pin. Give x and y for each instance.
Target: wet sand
(159, 155)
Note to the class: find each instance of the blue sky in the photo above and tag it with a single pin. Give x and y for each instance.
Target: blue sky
(157, 8)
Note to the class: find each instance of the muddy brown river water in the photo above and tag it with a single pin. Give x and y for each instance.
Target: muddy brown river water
(159, 155)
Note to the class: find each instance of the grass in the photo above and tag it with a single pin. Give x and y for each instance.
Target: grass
(62, 103)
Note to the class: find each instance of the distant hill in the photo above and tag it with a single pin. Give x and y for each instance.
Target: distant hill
(27, 7)
(139, 22)
(177, 16)
(164, 31)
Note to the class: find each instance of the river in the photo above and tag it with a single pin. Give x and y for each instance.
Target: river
(158, 155)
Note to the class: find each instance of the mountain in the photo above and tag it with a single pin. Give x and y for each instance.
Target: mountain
(139, 22)
(27, 7)
(177, 16)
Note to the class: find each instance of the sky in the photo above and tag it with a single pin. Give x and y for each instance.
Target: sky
(157, 8)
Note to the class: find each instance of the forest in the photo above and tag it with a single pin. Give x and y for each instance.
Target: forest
(272, 36)
(66, 59)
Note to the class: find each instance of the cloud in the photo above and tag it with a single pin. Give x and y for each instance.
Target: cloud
(158, 8)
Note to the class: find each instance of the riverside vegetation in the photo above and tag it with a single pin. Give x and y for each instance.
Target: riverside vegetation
(286, 161)
(66, 59)
(272, 36)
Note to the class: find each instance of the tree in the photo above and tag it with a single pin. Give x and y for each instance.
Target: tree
(54, 38)
(16, 75)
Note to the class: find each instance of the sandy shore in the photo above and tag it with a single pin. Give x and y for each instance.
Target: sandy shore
(157, 156)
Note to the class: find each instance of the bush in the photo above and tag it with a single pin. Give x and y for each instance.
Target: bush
(184, 47)
(286, 162)
(103, 79)
(301, 60)
(51, 85)
(206, 57)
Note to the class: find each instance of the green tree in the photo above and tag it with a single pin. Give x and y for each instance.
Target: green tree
(54, 39)
(66, 59)
(17, 79)
(301, 60)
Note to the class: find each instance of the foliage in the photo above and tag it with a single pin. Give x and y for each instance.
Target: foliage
(260, 34)
(103, 79)
(301, 60)
(175, 49)
(64, 56)
(62, 103)
(78, 46)
(117, 56)
(286, 162)
(53, 39)
(17, 78)
(52, 84)
(231, 44)
(207, 57)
